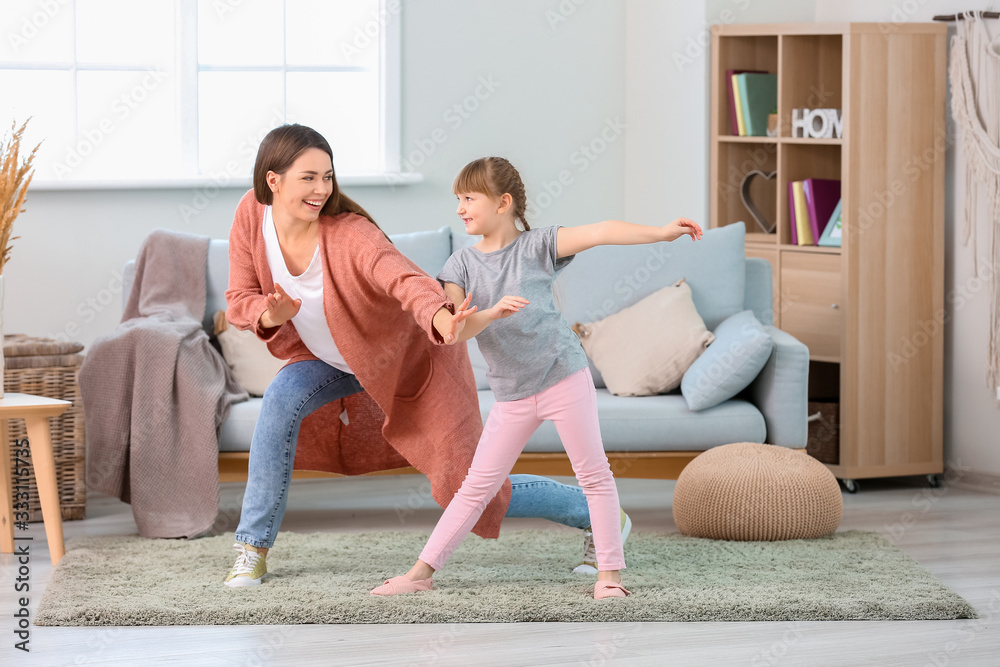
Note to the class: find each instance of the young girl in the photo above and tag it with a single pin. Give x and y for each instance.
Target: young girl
(538, 369)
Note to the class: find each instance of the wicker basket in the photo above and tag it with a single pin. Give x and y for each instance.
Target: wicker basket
(26, 372)
(823, 442)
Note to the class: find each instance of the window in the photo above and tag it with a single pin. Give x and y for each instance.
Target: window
(173, 91)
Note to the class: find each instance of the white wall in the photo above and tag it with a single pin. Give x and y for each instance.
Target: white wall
(557, 71)
(668, 49)
(666, 150)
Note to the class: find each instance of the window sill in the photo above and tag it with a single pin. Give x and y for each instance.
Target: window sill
(385, 179)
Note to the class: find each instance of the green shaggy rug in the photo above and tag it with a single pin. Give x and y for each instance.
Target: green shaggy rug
(523, 576)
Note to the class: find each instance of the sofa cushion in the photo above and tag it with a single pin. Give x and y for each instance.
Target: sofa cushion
(655, 423)
(730, 364)
(236, 432)
(605, 279)
(645, 348)
(428, 249)
(247, 356)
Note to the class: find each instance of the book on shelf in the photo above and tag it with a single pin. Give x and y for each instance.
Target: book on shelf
(734, 125)
(834, 229)
(741, 128)
(822, 196)
(803, 231)
(759, 94)
(791, 212)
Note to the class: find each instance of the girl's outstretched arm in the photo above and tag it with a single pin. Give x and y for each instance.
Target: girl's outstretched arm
(571, 240)
(475, 321)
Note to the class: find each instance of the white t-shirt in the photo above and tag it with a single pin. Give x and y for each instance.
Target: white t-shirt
(310, 321)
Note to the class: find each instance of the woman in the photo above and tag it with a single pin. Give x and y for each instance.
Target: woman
(313, 275)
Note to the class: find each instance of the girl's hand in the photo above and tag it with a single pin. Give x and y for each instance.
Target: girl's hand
(280, 308)
(507, 306)
(680, 227)
(448, 325)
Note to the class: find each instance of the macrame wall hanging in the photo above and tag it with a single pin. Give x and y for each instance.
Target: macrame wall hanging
(975, 106)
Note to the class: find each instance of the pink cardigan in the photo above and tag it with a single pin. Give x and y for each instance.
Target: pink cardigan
(420, 405)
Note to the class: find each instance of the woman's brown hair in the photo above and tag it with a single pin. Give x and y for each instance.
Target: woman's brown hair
(280, 148)
(494, 176)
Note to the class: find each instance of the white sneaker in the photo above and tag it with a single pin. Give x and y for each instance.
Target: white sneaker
(589, 563)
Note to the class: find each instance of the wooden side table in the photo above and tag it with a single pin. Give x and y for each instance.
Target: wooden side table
(35, 411)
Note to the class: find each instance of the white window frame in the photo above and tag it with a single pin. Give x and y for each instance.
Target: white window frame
(390, 18)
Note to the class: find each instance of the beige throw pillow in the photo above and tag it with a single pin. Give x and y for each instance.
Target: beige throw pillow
(645, 348)
(248, 356)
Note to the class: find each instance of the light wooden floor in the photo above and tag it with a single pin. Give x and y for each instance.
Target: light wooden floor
(952, 531)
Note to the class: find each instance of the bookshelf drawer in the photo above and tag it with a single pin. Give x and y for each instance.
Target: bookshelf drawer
(810, 306)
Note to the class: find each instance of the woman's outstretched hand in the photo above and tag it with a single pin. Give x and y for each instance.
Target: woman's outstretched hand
(680, 227)
(449, 325)
(280, 308)
(507, 306)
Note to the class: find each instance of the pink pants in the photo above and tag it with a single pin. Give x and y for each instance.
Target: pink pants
(572, 406)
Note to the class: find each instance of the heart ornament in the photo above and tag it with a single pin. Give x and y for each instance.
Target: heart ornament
(766, 195)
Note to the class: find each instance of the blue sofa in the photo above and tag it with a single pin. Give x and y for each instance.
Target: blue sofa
(650, 436)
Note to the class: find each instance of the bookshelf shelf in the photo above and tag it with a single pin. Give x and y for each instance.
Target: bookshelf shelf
(729, 138)
(854, 306)
(810, 141)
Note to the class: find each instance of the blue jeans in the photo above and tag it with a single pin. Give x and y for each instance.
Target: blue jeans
(303, 387)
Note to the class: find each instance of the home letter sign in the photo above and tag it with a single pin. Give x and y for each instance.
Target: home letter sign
(817, 123)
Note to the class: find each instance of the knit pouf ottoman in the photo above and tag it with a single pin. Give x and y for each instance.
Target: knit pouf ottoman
(749, 491)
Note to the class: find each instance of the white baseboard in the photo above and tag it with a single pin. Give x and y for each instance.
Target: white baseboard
(969, 479)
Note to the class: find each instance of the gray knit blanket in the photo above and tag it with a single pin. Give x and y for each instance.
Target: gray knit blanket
(155, 393)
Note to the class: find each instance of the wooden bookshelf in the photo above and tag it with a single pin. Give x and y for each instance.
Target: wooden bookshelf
(865, 306)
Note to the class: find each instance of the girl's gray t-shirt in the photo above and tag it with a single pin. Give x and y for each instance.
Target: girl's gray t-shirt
(534, 348)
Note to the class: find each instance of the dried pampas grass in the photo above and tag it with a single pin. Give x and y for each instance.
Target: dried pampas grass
(15, 176)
